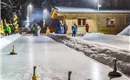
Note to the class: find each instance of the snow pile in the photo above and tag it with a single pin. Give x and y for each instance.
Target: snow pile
(118, 41)
(126, 31)
(8, 39)
(1, 36)
(102, 53)
(106, 36)
(93, 35)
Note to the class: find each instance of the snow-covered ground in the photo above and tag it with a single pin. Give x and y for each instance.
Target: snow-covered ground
(1, 36)
(102, 53)
(126, 31)
(53, 61)
(122, 40)
(4, 41)
(119, 41)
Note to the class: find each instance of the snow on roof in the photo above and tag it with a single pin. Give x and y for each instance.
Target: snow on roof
(87, 10)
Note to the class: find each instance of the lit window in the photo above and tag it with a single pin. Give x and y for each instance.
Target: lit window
(110, 22)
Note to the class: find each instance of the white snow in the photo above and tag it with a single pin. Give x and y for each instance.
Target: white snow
(87, 10)
(1, 36)
(4, 41)
(118, 41)
(126, 31)
(102, 53)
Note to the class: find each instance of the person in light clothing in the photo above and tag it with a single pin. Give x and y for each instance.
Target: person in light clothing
(38, 30)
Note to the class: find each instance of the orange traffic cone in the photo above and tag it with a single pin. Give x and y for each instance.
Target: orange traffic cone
(13, 51)
(34, 77)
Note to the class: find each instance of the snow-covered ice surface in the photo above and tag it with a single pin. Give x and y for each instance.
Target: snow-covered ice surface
(53, 61)
(4, 41)
(119, 41)
(100, 52)
(126, 31)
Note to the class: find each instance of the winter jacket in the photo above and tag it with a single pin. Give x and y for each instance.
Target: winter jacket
(74, 29)
(34, 28)
(87, 26)
(65, 27)
(7, 28)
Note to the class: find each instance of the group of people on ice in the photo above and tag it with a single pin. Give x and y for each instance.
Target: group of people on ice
(62, 28)
(36, 30)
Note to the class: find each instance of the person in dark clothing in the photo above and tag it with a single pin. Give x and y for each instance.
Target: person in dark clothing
(65, 28)
(12, 28)
(34, 30)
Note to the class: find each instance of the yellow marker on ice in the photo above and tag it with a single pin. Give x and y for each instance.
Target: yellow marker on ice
(34, 77)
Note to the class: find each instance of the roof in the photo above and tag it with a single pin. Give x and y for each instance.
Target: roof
(87, 10)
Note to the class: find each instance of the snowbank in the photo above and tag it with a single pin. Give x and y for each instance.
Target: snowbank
(8, 39)
(106, 36)
(102, 53)
(1, 36)
(118, 41)
(126, 31)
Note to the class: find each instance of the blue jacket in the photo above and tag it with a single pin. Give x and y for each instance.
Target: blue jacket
(74, 29)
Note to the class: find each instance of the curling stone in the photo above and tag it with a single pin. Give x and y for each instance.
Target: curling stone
(13, 51)
(34, 77)
(114, 73)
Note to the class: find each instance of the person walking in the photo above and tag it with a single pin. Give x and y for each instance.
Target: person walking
(65, 28)
(87, 27)
(74, 30)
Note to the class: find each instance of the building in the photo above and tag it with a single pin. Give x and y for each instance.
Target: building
(104, 21)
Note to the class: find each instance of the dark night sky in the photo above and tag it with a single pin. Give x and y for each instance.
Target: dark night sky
(106, 4)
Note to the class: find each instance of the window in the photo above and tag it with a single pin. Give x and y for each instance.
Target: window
(110, 22)
(81, 22)
(84, 21)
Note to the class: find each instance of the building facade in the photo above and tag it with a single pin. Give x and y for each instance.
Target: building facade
(103, 21)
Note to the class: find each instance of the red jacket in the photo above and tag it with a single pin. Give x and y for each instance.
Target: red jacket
(87, 26)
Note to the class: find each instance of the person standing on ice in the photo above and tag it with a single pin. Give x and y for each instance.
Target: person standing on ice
(48, 29)
(7, 29)
(65, 28)
(38, 30)
(34, 29)
(74, 30)
(87, 27)
(60, 28)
